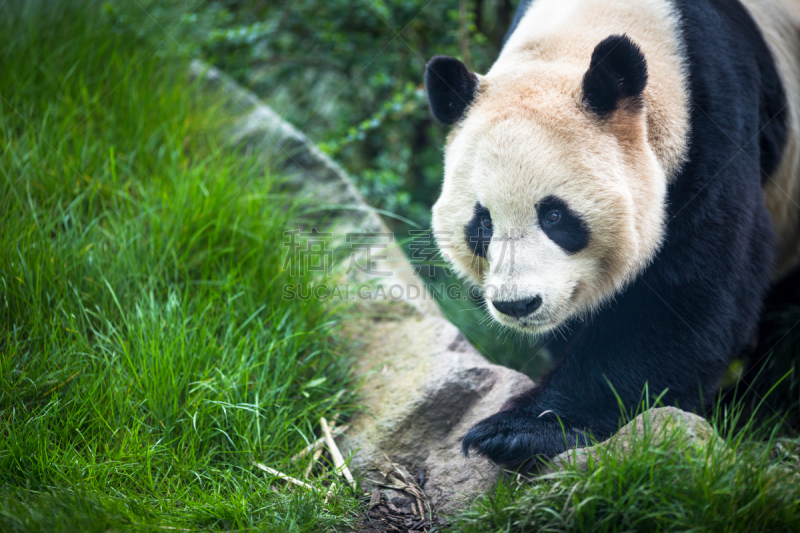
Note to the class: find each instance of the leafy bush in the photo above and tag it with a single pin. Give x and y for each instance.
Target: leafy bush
(349, 74)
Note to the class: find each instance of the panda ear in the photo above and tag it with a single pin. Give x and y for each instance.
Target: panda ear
(451, 88)
(617, 75)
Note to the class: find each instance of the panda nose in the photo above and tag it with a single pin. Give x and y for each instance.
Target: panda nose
(518, 308)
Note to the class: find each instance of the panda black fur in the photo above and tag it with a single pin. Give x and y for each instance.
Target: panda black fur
(692, 106)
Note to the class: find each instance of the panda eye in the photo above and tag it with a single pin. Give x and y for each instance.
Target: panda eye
(553, 216)
(478, 231)
(562, 225)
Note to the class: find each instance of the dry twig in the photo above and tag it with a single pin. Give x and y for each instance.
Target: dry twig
(281, 475)
(336, 455)
(319, 443)
(314, 460)
(398, 478)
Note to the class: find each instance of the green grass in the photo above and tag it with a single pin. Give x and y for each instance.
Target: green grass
(749, 481)
(147, 356)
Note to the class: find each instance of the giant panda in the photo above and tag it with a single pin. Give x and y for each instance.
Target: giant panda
(624, 183)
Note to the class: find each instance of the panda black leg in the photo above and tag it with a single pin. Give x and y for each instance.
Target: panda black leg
(640, 353)
(524, 431)
(519, 436)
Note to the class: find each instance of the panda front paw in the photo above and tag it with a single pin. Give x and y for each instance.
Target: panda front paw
(517, 438)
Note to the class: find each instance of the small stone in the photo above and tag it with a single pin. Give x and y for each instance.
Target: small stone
(660, 424)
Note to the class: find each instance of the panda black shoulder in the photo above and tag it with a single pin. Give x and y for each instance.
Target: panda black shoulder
(738, 132)
(726, 52)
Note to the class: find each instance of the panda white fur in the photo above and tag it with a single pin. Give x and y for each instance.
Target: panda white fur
(625, 183)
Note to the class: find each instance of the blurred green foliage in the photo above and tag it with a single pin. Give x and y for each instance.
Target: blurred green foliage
(349, 74)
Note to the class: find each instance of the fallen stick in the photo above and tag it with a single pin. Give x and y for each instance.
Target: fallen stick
(281, 475)
(401, 480)
(336, 455)
(314, 460)
(292, 480)
(318, 444)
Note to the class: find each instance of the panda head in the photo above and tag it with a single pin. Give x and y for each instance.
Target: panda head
(553, 199)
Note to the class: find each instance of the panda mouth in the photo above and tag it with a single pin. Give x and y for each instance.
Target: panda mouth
(533, 324)
(536, 329)
(536, 322)
(543, 323)
(524, 321)
(540, 321)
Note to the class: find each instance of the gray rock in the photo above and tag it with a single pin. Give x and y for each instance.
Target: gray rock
(425, 385)
(659, 426)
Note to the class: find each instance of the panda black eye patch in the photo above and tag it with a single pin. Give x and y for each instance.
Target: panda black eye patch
(478, 231)
(562, 225)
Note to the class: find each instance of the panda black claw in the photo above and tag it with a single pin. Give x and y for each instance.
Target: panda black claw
(516, 438)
